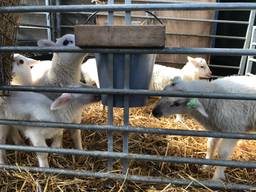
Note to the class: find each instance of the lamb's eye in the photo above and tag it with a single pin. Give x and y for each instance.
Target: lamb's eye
(65, 42)
(202, 67)
(21, 62)
(176, 104)
(71, 42)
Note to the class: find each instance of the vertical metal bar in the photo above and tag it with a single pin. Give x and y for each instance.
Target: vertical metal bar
(58, 21)
(126, 110)
(214, 29)
(110, 13)
(110, 97)
(247, 41)
(52, 22)
(48, 22)
(126, 97)
(252, 46)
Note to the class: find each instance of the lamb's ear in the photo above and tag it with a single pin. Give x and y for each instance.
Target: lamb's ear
(45, 43)
(197, 105)
(32, 62)
(190, 58)
(62, 101)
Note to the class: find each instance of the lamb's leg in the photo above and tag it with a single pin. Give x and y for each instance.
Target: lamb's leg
(212, 144)
(39, 141)
(226, 148)
(76, 137)
(3, 136)
(57, 140)
(76, 134)
(179, 118)
(16, 138)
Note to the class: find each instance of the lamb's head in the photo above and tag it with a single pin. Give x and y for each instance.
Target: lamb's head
(21, 59)
(67, 40)
(201, 66)
(21, 69)
(178, 105)
(76, 98)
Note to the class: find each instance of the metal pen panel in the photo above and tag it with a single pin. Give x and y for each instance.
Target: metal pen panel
(126, 93)
(141, 179)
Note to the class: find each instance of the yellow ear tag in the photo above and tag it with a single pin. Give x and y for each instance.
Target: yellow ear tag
(192, 104)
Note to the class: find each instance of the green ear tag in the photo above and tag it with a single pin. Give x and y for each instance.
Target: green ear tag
(192, 104)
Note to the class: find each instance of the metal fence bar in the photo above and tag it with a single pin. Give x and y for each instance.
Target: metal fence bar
(224, 66)
(160, 131)
(188, 34)
(208, 36)
(169, 18)
(212, 51)
(144, 179)
(192, 94)
(110, 110)
(132, 156)
(127, 63)
(34, 26)
(126, 109)
(130, 7)
(110, 97)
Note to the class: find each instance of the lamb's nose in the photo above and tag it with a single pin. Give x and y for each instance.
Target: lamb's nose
(156, 112)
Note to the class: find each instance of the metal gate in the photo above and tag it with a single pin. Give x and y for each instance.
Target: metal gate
(125, 156)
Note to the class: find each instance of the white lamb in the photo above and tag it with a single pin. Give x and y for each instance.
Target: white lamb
(21, 75)
(215, 114)
(37, 107)
(90, 73)
(195, 68)
(63, 70)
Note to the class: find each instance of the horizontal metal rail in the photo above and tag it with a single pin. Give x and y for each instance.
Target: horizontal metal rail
(210, 65)
(168, 18)
(224, 66)
(160, 131)
(189, 34)
(130, 7)
(191, 94)
(34, 26)
(212, 51)
(207, 36)
(135, 178)
(130, 156)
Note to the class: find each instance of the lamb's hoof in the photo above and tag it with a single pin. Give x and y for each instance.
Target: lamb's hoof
(79, 147)
(219, 177)
(179, 120)
(206, 167)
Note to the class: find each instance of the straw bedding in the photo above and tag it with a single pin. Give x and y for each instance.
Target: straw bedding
(138, 143)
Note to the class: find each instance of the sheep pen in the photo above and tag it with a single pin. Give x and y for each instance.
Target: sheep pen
(182, 146)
